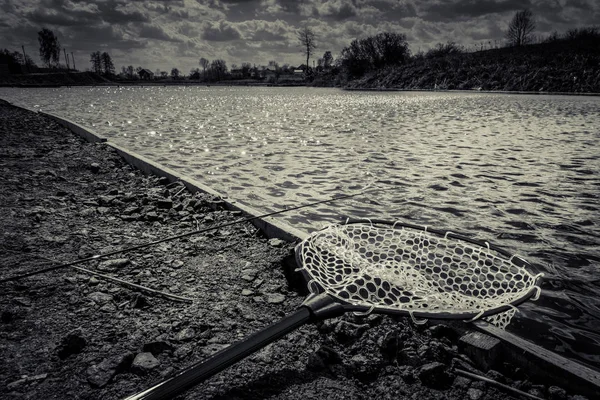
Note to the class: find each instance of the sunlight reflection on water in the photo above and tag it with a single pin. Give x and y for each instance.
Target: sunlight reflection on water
(519, 170)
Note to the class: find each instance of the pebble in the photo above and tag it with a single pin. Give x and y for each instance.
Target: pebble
(183, 351)
(152, 216)
(112, 265)
(99, 375)
(100, 298)
(165, 204)
(95, 168)
(276, 242)
(347, 330)
(556, 393)
(247, 292)
(324, 356)
(275, 298)
(474, 394)
(434, 375)
(185, 334)
(144, 362)
(23, 301)
(249, 274)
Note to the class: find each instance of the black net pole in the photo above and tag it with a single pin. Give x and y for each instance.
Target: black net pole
(201, 371)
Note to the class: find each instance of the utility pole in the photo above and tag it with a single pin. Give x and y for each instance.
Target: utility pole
(25, 58)
(73, 58)
(66, 58)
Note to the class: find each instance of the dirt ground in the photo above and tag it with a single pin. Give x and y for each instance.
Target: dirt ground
(66, 334)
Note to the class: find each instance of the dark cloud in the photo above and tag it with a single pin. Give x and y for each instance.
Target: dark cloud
(338, 10)
(221, 31)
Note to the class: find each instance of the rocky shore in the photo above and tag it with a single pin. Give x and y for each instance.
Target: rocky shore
(68, 334)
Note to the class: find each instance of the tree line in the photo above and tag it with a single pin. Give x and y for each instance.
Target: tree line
(361, 56)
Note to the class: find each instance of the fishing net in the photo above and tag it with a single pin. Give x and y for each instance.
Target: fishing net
(400, 268)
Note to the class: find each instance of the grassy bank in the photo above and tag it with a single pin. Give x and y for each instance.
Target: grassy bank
(549, 67)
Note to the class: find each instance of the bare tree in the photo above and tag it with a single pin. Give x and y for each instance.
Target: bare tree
(49, 46)
(204, 63)
(520, 28)
(308, 41)
(327, 59)
(96, 60)
(107, 64)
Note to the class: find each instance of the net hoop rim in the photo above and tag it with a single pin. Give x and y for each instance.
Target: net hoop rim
(349, 307)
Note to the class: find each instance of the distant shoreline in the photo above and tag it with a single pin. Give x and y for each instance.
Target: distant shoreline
(258, 84)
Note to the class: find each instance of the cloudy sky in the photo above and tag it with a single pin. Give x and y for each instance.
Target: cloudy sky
(176, 33)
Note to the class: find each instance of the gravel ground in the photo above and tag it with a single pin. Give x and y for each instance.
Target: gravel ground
(69, 334)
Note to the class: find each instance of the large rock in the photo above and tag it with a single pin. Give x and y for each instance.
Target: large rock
(435, 375)
(99, 375)
(144, 362)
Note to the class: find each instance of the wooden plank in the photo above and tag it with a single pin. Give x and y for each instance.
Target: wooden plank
(544, 364)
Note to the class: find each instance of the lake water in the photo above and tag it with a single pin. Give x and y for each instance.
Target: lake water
(521, 171)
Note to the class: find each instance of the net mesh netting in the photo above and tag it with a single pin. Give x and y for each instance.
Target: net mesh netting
(404, 269)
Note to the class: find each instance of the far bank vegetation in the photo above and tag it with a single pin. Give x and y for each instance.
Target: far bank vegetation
(560, 62)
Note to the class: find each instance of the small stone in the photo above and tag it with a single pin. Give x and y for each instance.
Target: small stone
(185, 334)
(249, 274)
(144, 362)
(409, 356)
(275, 298)
(112, 265)
(347, 330)
(22, 301)
(95, 168)
(131, 210)
(556, 393)
(108, 308)
(106, 200)
(247, 292)
(177, 264)
(276, 242)
(99, 375)
(474, 394)
(100, 298)
(165, 204)
(324, 356)
(152, 216)
(183, 351)
(434, 375)
(93, 281)
(163, 180)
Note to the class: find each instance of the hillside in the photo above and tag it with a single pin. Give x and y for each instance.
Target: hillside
(562, 66)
